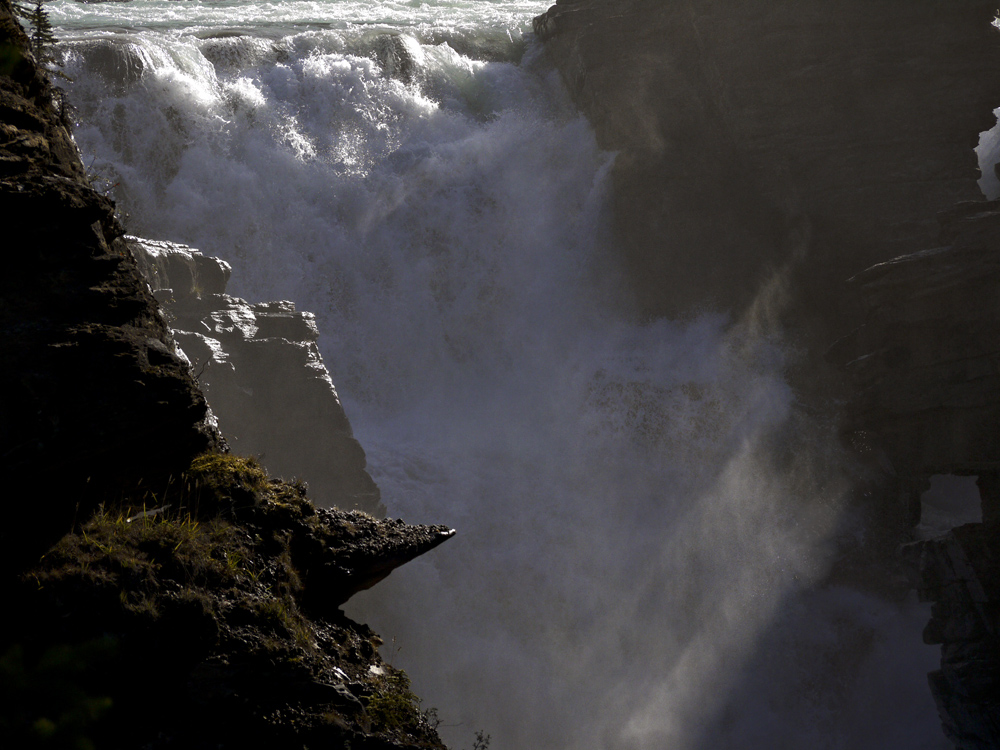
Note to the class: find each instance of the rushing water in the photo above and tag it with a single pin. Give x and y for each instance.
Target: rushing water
(643, 513)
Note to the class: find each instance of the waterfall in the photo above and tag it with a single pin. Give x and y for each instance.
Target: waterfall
(644, 513)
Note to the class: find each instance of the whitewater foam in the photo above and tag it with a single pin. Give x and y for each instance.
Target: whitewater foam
(643, 513)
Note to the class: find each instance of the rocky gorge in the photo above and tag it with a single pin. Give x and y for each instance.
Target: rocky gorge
(766, 153)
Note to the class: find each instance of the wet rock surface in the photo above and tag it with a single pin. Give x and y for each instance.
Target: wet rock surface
(262, 373)
(758, 135)
(804, 142)
(960, 574)
(925, 371)
(925, 363)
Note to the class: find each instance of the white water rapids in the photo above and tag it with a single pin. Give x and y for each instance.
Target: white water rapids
(643, 513)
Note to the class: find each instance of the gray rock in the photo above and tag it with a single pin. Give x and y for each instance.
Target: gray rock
(959, 573)
(262, 374)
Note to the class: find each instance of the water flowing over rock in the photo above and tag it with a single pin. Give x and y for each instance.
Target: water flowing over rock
(262, 374)
(756, 134)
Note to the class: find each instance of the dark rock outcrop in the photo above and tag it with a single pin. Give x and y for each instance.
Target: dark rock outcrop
(960, 574)
(166, 629)
(95, 396)
(756, 136)
(925, 371)
(925, 363)
(184, 599)
(262, 374)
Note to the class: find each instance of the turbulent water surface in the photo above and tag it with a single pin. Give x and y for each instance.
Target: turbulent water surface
(643, 513)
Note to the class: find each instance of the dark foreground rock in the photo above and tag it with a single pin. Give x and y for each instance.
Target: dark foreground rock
(805, 137)
(157, 592)
(94, 394)
(211, 621)
(262, 373)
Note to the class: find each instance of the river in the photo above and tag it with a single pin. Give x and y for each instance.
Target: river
(644, 514)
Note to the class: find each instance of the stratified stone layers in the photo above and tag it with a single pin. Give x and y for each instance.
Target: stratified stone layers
(925, 370)
(262, 374)
(925, 363)
(753, 134)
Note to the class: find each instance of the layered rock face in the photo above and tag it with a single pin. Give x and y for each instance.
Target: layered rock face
(262, 374)
(755, 134)
(804, 142)
(925, 363)
(925, 366)
(94, 392)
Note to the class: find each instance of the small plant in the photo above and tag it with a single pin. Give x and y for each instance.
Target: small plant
(430, 716)
(395, 707)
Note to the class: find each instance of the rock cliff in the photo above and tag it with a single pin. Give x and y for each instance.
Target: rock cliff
(807, 142)
(95, 395)
(159, 591)
(757, 136)
(262, 373)
(925, 370)
(925, 363)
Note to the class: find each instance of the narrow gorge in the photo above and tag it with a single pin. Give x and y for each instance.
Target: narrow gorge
(685, 315)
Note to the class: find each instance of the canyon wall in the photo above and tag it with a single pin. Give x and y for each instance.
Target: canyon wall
(924, 369)
(755, 136)
(807, 142)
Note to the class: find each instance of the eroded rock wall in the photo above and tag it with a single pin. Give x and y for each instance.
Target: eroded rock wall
(262, 374)
(925, 373)
(754, 134)
(925, 363)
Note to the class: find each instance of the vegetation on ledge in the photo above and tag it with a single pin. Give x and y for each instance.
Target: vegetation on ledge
(181, 619)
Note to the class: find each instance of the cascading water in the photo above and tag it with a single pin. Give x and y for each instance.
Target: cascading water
(644, 515)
